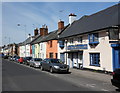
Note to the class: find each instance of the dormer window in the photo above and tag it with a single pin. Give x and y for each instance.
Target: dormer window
(79, 39)
(71, 41)
(93, 38)
(114, 34)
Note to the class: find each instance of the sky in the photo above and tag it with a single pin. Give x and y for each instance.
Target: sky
(34, 14)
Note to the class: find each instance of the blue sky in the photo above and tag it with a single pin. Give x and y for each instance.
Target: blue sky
(39, 13)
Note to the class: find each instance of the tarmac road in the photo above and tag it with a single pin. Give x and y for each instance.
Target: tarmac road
(17, 77)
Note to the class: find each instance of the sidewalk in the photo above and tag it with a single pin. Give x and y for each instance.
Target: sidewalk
(93, 80)
(90, 74)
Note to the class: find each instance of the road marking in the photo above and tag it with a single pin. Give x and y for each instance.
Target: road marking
(104, 90)
(90, 85)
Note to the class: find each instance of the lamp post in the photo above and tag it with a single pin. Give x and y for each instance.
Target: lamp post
(25, 36)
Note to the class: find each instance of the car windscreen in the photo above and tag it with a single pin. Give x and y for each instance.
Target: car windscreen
(55, 61)
(28, 58)
(37, 59)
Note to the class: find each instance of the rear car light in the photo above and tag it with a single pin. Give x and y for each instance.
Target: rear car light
(113, 73)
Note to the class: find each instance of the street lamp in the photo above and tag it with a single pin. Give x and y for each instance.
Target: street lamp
(25, 36)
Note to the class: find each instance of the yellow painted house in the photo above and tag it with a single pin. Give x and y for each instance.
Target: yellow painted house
(37, 50)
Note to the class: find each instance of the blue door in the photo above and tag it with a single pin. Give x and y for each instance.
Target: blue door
(116, 57)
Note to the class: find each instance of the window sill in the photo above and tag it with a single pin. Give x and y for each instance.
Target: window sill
(97, 65)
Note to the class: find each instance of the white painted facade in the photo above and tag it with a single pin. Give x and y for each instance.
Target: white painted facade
(27, 51)
(82, 56)
(22, 51)
(42, 50)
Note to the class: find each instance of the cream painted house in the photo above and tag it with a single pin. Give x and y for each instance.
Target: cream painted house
(91, 42)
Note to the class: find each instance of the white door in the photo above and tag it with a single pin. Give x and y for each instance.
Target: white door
(75, 60)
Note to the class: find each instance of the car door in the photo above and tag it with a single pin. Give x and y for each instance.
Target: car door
(44, 63)
(48, 64)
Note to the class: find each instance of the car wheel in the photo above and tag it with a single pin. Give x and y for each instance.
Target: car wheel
(51, 70)
(41, 68)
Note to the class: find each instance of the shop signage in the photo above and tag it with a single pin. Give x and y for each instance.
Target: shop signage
(77, 47)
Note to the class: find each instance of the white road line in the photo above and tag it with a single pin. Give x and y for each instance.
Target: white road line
(104, 90)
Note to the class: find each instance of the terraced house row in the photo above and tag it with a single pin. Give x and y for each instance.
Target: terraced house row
(92, 42)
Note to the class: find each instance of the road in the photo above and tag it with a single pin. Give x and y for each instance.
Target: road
(17, 77)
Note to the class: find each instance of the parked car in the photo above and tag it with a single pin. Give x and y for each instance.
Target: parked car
(6, 57)
(13, 58)
(20, 60)
(16, 58)
(26, 60)
(10, 58)
(116, 78)
(54, 65)
(35, 62)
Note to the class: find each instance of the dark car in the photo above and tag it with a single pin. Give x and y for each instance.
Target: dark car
(116, 78)
(26, 60)
(54, 65)
(6, 57)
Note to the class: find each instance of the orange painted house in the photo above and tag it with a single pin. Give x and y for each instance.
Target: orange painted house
(52, 42)
(51, 49)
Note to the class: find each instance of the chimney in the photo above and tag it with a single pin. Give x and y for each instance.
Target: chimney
(35, 31)
(72, 18)
(29, 35)
(44, 30)
(60, 25)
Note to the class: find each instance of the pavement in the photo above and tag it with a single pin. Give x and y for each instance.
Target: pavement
(96, 75)
(93, 80)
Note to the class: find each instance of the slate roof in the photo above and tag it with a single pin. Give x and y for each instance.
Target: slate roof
(51, 36)
(27, 41)
(100, 20)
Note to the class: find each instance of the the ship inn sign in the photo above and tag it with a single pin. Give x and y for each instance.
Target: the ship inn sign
(77, 47)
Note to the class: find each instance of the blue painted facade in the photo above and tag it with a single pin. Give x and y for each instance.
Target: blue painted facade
(116, 55)
(33, 50)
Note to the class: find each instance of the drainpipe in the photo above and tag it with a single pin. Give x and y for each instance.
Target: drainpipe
(66, 50)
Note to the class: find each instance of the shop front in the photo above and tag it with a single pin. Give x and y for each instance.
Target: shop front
(75, 55)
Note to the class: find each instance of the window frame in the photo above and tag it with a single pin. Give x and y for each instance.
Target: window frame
(91, 38)
(112, 30)
(80, 39)
(51, 43)
(94, 59)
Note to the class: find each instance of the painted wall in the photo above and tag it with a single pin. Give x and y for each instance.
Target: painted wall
(22, 51)
(53, 49)
(37, 50)
(104, 48)
(33, 51)
(42, 50)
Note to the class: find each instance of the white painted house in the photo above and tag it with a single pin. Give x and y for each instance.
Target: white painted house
(25, 47)
(93, 41)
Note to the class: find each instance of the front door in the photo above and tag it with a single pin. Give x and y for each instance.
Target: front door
(75, 60)
(116, 58)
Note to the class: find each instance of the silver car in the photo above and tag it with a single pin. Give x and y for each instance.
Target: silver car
(35, 62)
